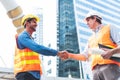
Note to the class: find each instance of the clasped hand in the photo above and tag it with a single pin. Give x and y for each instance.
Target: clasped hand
(63, 55)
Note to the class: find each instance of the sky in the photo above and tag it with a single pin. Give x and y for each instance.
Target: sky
(8, 31)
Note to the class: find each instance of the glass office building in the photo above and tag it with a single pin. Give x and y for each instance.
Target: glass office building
(71, 15)
(67, 38)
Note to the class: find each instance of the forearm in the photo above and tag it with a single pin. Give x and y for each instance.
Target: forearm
(77, 56)
(28, 43)
(116, 50)
(44, 50)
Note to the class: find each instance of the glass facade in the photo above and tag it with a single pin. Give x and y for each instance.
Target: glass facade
(67, 38)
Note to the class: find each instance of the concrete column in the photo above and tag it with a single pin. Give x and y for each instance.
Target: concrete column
(14, 12)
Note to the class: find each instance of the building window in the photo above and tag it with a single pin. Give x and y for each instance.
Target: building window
(49, 71)
(49, 62)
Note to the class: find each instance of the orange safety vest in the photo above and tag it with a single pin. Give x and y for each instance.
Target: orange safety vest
(26, 60)
(102, 37)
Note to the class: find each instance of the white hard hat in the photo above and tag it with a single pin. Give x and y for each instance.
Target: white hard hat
(93, 13)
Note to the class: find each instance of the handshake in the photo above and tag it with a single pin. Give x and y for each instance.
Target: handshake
(63, 55)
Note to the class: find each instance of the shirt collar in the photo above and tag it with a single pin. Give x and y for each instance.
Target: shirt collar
(28, 34)
(98, 28)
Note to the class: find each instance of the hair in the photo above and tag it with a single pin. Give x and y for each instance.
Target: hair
(28, 20)
(98, 19)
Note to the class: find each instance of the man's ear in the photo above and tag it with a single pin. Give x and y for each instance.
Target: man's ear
(27, 23)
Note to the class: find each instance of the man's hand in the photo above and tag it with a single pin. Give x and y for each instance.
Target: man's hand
(107, 54)
(63, 55)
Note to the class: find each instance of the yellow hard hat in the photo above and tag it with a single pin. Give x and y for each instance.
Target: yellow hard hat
(29, 16)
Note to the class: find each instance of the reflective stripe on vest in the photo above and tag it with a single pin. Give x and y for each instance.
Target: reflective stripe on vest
(26, 60)
(103, 37)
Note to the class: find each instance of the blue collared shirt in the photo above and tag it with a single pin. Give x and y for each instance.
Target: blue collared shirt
(25, 41)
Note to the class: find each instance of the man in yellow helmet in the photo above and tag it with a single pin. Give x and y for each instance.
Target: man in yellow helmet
(27, 65)
(102, 47)
(28, 17)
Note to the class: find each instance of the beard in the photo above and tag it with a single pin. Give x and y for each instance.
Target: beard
(34, 29)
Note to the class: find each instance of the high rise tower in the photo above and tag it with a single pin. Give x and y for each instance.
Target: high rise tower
(67, 38)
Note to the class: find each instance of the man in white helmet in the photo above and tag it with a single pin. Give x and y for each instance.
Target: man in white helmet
(27, 65)
(101, 48)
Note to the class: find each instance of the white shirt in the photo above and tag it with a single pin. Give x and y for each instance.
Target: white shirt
(114, 33)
